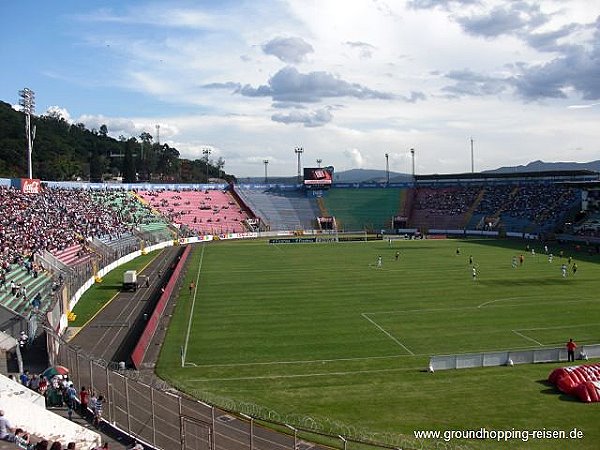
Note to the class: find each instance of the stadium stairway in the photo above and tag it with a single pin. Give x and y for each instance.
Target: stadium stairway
(33, 285)
(472, 208)
(73, 255)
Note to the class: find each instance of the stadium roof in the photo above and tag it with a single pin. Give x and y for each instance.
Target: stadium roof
(558, 175)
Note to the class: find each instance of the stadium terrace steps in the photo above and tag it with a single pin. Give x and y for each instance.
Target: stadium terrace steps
(282, 209)
(322, 209)
(157, 228)
(472, 208)
(123, 240)
(33, 285)
(206, 211)
(363, 208)
(73, 255)
(130, 207)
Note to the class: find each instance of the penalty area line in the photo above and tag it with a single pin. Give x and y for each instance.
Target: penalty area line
(527, 337)
(387, 334)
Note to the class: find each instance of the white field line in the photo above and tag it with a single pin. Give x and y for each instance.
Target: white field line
(502, 300)
(388, 334)
(308, 361)
(462, 308)
(189, 328)
(275, 246)
(489, 350)
(528, 338)
(304, 375)
(559, 328)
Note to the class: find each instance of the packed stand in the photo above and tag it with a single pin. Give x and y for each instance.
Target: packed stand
(446, 201)
(494, 199)
(52, 220)
(540, 202)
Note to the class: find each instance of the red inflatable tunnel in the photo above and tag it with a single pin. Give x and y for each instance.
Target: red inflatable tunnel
(567, 379)
(588, 392)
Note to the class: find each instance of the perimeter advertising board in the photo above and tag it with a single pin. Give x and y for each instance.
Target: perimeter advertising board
(27, 185)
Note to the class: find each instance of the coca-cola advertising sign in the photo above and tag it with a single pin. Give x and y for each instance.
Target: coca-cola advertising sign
(30, 186)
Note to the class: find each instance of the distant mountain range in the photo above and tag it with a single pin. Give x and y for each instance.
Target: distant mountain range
(379, 176)
(541, 166)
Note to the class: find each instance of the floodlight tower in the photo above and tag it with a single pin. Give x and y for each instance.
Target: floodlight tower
(472, 160)
(319, 161)
(266, 163)
(412, 153)
(27, 101)
(387, 168)
(299, 151)
(206, 153)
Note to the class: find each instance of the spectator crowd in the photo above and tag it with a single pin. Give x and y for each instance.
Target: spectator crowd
(58, 391)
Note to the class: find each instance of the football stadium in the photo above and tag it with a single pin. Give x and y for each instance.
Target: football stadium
(300, 225)
(317, 314)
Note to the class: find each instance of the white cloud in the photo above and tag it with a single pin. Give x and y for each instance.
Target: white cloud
(288, 49)
(355, 157)
(57, 111)
(348, 81)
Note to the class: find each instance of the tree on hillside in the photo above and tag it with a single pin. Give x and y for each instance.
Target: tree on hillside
(65, 151)
(96, 166)
(146, 156)
(129, 172)
(168, 163)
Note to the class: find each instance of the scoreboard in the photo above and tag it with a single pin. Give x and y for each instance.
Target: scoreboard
(318, 177)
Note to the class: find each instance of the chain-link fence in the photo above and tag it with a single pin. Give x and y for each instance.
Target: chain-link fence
(150, 410)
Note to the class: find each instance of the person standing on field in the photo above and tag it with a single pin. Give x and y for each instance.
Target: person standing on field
(571, 346)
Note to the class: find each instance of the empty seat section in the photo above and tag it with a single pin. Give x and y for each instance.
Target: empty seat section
(364, 208)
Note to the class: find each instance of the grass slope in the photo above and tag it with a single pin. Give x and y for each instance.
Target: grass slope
(316, 335)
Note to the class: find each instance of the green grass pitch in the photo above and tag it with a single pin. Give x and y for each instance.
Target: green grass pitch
(318, 334)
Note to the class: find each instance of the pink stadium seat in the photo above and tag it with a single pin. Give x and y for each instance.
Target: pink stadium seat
(207, 212)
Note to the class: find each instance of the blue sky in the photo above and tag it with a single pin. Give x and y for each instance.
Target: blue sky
(346, 80)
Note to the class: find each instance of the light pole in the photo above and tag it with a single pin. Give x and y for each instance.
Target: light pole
(266, 163)
(299, 151)
(319, 161)
(206, 153)
(27, 101)
(412, 153)
(387, 168)
(472, 160)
